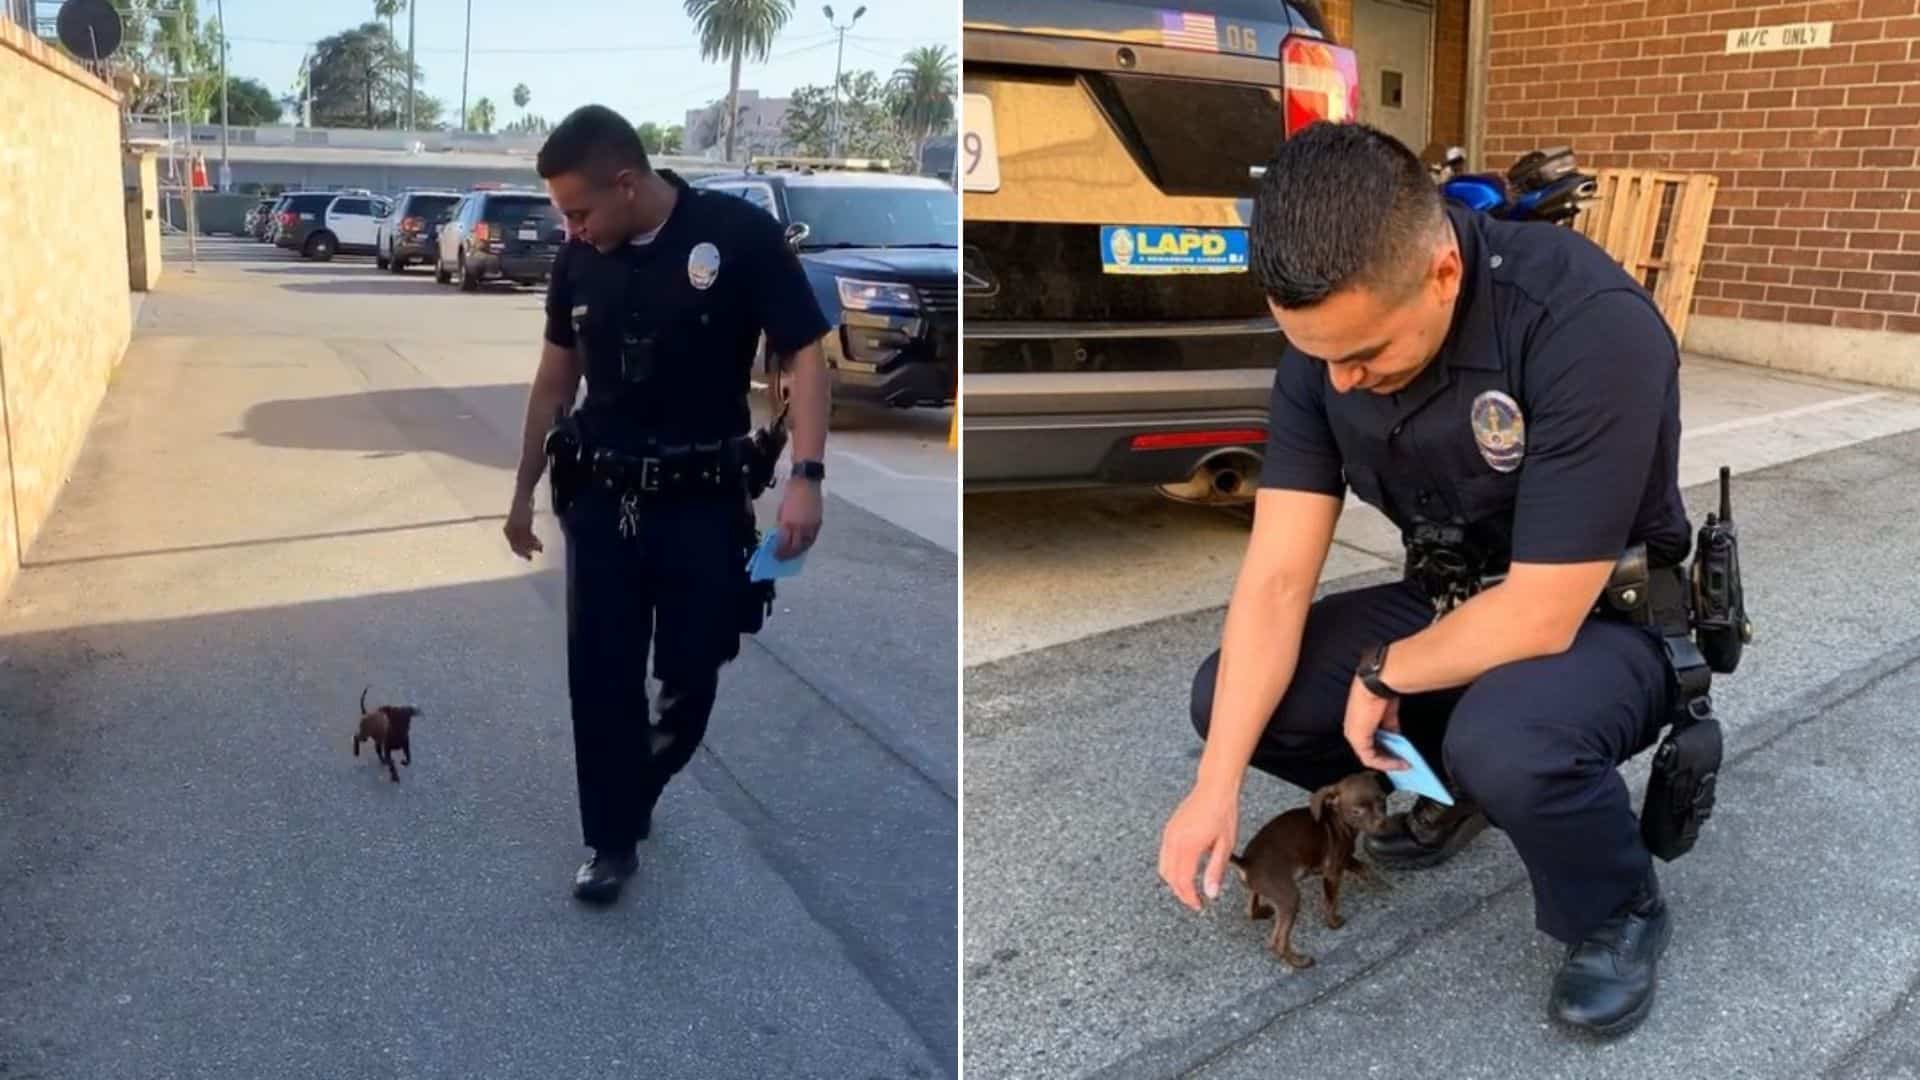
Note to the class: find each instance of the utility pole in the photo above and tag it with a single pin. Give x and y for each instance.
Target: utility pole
(838, 53)
(411, 125)
(226, 168)
(464, 61)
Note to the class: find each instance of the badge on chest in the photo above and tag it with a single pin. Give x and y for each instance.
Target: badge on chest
(1499, 430)
(703, 265)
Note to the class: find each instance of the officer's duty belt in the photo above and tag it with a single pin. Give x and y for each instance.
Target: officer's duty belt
(672, 470)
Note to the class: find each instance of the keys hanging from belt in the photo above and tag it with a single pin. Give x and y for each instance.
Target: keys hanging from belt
(630, 514)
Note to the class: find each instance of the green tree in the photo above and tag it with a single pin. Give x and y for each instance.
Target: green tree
(868, 125)
(358, 79)
(922, 90)
(733, 30)
(521, 95)
(249, 102)
(530, 124)
(480, 117)
(673, 139)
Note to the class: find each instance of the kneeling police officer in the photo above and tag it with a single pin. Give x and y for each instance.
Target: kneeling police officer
(659, 300)
(1518, 418)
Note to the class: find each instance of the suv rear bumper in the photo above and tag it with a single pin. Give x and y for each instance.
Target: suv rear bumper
(424, 249)
(1067, 428)
(515, 267)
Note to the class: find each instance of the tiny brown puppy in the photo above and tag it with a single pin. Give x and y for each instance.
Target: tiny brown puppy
(1316, 838)
(388, 728)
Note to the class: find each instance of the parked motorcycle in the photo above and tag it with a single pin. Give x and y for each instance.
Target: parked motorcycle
(1544, 185)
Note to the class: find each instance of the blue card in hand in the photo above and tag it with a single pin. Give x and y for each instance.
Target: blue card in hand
(1416, 777)
(766, 566)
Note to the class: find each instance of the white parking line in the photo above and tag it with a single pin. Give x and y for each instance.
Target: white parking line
(1784, 414)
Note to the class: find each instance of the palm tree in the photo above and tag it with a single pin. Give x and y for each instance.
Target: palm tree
(388, 10)
(733, 30)
(923, 88)
(522, 95)
(481, 118)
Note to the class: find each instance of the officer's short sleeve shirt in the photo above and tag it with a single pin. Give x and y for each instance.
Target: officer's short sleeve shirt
(1550, 331)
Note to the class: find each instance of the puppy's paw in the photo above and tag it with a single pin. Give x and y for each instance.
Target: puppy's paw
(1297, 960)
(1335, 922)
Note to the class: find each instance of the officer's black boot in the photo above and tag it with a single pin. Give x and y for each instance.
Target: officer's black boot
(1607, 981)
(1427, 835)
(599, 879)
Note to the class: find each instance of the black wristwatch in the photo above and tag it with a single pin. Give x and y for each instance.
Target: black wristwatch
(810, 470)
(1372, 662)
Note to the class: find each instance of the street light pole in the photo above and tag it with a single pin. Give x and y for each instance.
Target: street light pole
(463, 67)
(411, 124)
(839, 52)
(226, 169)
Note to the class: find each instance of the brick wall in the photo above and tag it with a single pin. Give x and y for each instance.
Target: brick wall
(64, 310)
(1817, 221)
(1449, 94)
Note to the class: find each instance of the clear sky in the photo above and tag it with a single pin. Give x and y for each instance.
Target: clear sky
(637, 56)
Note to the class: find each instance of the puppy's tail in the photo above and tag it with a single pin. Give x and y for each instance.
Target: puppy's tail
(363, 699)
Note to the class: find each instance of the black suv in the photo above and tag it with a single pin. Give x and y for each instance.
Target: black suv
(882, 253)
(1114, 332)
(499, 234)
(410, 233)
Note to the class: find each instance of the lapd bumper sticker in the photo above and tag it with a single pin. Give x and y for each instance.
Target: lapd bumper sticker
(1153, 249)
(1499, 430)
(703, 265)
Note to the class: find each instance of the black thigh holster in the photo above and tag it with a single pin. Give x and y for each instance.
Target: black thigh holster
(1686, 766)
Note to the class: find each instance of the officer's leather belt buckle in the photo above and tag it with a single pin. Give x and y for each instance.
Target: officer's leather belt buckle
(684, 467)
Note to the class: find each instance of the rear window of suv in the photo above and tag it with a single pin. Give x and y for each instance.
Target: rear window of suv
(432, 207)
(309, 204)
(875, 216)
(510, 212)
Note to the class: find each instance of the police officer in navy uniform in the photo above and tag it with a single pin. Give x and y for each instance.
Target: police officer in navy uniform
(1508, 397)
(658, 300)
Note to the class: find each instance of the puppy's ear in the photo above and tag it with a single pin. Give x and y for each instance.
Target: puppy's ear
(1317, 806)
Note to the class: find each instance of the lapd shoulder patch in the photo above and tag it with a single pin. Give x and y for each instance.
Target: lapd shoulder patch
(1499, 430)
(703, 265)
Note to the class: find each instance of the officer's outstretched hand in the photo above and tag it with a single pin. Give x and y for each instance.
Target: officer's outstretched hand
(799, 519)
(1367, 714)
(1202, 827)
(519, 530)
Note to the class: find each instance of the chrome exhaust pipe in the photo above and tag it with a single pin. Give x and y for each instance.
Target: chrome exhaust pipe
(1224, 477)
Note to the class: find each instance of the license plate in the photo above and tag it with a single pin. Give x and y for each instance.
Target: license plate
(1143, 249)
(529, 234)
(979, 156)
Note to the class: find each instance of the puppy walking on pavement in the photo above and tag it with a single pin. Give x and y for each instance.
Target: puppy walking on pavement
(388, 728)
(1316, 838)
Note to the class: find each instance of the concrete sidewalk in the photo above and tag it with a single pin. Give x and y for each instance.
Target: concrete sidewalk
(198, 879)
(1794, 953)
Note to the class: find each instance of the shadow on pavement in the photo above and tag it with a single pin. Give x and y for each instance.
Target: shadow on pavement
(190, 845)
(385, 285)
(444, 420)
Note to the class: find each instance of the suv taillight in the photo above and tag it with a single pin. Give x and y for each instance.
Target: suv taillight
(411, 224)
(1319, 81)
(480, 233)
(286, 217)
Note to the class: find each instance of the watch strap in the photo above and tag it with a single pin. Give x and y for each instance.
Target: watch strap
(810, 470)
(1372, 661)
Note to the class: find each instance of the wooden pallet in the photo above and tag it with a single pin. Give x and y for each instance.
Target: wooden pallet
(1654, 223)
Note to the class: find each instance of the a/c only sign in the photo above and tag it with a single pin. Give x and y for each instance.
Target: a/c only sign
(1778, 38)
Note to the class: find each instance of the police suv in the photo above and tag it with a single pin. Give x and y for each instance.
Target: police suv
(882, 252)
(1115, 332)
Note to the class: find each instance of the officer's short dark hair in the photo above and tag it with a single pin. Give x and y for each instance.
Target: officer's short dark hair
(1343, 205)
(594, 141)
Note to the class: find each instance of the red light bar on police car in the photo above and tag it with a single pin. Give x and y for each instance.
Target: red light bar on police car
(1318, 81)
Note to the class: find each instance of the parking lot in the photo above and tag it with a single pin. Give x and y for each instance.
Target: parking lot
(294, 489)
(1086, 615)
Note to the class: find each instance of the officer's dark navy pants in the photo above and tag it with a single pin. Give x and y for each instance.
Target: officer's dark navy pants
(667, 586)
(1535, 743)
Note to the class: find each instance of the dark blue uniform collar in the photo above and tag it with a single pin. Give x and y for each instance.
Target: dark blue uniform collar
(1472, 341)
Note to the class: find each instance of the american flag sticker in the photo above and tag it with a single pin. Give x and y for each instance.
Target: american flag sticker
(1185, 30)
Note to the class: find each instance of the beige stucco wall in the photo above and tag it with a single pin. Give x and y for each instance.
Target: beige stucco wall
(65, 316)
